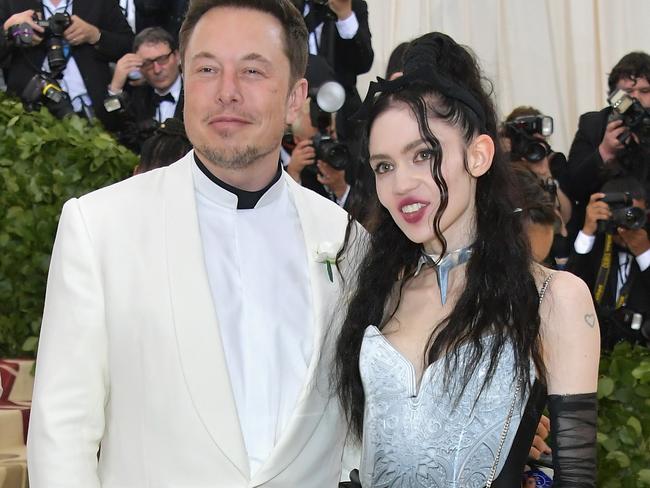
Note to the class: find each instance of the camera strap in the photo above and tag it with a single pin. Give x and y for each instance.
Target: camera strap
(605, 267)
(45, 7)
(603, 276)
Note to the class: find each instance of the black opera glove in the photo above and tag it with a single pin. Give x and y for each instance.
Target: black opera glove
(573, 427)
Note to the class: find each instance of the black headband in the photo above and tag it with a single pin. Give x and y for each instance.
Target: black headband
(426, 75)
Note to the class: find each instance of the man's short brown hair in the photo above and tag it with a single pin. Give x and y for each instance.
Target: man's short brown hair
(293, 24)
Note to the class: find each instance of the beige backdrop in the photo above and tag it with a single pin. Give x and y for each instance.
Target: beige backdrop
(552, 54)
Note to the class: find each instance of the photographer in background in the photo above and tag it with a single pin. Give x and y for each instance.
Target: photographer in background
(313, 157)
(525, 134)
(612, 255)
(138, 110)
(311, 152)
(605, 136)
(340, 34)
(58, 49)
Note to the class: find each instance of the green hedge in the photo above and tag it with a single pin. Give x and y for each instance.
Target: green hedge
(624, 418)
(43, 162)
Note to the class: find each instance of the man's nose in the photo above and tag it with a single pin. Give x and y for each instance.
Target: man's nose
(229, 87)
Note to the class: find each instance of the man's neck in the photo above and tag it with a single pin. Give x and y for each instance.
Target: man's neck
(56, 2)
(168, 89)
(253, 177)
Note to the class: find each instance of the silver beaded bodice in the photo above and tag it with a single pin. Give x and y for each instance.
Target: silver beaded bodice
(422, 439)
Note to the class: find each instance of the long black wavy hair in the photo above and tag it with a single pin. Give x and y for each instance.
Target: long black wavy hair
(500, 296)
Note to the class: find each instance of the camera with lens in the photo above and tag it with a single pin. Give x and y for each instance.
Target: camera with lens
(334, 153)
(44, 90)
(21, 35)
(325, 100)
(522, 131)
(624, 213)
(635, 117)
(54, 27)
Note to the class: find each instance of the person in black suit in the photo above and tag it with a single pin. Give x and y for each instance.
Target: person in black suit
(596, 142)
(168, 14)
(142, 107)
(298, 153)
(98, 34)
(622, 288)
(339, 32)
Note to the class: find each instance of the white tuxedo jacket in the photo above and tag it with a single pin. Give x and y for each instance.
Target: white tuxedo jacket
(130, 354)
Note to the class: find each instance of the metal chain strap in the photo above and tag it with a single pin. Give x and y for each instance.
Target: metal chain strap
(506, 426)
(504, 434)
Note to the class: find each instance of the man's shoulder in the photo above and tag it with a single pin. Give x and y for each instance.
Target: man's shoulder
(318, 204)
(136, 191)
(360, 6)
(595, 118)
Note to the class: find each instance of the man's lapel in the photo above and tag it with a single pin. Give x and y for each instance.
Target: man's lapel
(326, 45)
(315, 394)
(195, 321)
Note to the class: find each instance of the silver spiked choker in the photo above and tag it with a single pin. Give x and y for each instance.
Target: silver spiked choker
(443, 266)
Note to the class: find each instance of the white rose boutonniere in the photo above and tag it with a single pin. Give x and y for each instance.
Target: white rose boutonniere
(326, 253)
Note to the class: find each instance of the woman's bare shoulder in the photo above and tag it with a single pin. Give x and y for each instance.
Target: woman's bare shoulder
(560, 285)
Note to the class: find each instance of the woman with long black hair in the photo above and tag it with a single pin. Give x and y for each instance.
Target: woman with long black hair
(453, 337)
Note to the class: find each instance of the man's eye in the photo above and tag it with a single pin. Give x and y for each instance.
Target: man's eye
(382, 167)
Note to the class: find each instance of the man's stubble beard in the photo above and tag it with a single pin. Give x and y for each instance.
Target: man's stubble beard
(238, 158)
(235, 158)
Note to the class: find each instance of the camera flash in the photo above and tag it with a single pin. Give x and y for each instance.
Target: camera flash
(547, 126)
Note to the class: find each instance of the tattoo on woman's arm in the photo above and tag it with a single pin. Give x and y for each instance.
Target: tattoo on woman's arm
(590, 318)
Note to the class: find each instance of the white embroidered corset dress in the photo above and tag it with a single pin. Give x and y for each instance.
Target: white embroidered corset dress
(422, 439)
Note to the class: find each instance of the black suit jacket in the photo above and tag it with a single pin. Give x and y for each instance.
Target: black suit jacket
(20, 65)
(586, 266)
(168, 14)
(584, 172)
(139, 110)
(349, 58)
(584, 164)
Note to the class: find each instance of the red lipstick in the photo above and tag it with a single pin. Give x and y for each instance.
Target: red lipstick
(413, 217)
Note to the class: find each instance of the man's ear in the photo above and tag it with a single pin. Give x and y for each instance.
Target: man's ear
(296, 100)
(479, 155)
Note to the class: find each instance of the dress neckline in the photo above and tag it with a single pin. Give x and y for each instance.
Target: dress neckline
(415, 386)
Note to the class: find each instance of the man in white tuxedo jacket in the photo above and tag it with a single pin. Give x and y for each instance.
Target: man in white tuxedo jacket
(186, 308)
